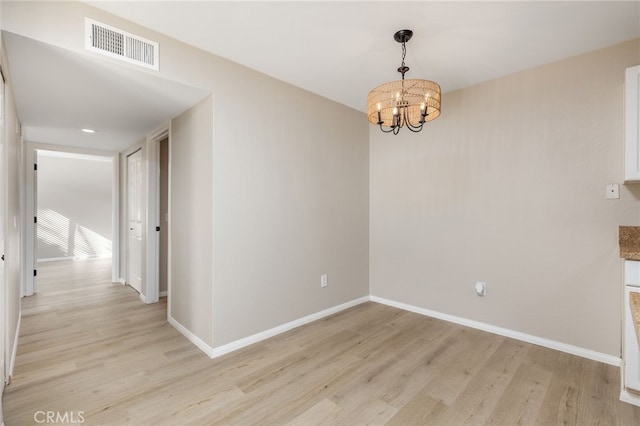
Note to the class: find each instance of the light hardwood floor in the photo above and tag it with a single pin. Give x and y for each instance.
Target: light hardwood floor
(92, 348)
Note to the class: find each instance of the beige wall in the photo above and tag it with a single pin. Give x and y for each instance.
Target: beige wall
(191, 185)
(291, 203)
(13, 218)
(508, 187)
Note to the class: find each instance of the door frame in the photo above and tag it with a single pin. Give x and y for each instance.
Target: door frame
(29, 230)
(4, 186)
(153, 222)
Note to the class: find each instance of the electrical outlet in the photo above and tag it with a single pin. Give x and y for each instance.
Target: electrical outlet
(323, 280)
(613, 191)
(481, 288)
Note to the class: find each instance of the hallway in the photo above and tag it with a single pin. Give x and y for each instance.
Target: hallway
(81, 337)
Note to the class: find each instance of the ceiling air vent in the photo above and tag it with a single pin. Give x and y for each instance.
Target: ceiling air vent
(120, 44)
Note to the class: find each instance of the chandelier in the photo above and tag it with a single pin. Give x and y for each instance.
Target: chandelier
(400, 103)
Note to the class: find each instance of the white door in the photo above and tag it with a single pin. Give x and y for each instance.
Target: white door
(134, 220)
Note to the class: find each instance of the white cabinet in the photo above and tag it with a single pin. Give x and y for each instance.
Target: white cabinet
(631, 355)
(632, 125)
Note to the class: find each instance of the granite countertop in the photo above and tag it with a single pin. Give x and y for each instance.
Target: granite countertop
(629, 241)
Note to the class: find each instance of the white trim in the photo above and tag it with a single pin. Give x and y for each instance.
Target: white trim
(142, 297)
(162, 294)
(213, 217)
(152, 181)
(160, 132)
(631, 136)
(191, 337)
(258, 337)
(73, 258)
(55, 259)
(151, 221)
(241, 343)
(169, 234)
(29, 228)
(115, 217)
(12, 361)
(121, 281)
(1, 394)
(626, 396)
(547, 343)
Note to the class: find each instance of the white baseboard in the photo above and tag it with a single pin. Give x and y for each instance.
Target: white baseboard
(55, 259)
(630, 398)
(163, 294)
(540, 341)
(122, 281)
(1, 410)
(241, 343)
(71, 258)
(12, 361)
(230, 347)
(191, 337)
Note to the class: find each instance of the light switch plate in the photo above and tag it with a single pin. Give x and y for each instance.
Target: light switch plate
(613, 191)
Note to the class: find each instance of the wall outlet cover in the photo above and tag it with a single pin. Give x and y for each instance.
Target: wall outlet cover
(323, 280)
(613, 191)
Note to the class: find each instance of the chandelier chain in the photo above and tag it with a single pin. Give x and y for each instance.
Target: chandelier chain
(404, 54)
(403, 67)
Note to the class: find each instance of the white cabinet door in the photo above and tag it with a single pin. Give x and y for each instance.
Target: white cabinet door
(632, 124)
(631, 356)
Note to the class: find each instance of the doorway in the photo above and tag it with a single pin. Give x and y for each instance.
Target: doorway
(74, 206)
(71, 207)
(146, 213)
(157, 226)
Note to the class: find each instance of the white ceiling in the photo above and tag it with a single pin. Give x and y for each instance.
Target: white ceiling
(339, 50)
(59, 92)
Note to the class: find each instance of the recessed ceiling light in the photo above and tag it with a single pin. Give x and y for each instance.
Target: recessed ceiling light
(88, 130)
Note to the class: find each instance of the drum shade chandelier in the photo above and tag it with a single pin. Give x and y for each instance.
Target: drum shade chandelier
(403, 103)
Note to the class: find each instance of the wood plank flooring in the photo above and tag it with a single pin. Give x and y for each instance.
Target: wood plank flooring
(92, 348)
